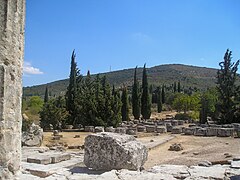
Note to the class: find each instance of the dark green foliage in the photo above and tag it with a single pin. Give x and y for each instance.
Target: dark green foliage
(227, 90)
(54, 112)
(179, 87)
(72, 91)
(163, 94)
(182, 116)
(175, 87)
(145, 100)
(46, 96)
(159, 100)
(136, 103)
(125, 105)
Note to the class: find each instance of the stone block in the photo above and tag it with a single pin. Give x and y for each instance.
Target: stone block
(161, 129)
(225, 132)
(176, 130)
(174, 122)
(211, 131)
(107, 151)
(110, 129)
(189, 131)
(131, 131)
(89, 128)
(200, 132)
(141, 128)
(150, 129)
(56, 158)
(169, 127)
(120, 130)
(41, 159)
(180, 122)
(99, 129)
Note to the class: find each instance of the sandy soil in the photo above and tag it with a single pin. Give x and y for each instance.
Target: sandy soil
(195, 149)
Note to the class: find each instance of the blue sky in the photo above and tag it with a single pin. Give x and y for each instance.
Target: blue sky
(124, 33)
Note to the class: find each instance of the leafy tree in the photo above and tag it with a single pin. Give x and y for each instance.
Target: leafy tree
(145, 100)
(136, 97)
(72, 91)
(159, 100)
(54, 112)
(125, 105)
(227, 89)
(46, 96)
(35, 104)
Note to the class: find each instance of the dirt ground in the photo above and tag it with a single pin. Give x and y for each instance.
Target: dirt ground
(195, 149)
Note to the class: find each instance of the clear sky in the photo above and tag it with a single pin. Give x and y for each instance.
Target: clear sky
(124, 33)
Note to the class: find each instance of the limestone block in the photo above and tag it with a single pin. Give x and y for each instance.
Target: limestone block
(189, 131)
(200, 132)
(107, 151)
(141, 128)
(174, 122)
(120, 130)
(169, 127)
(99, 129)
(225, 132)
(56, 158)
(150, 129)
(110, 129)
(89, 129)
(176, 130)
(161, 129)
(40, 159)
(211, 131)
(180, 122)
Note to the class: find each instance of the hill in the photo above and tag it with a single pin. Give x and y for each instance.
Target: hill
(190, 76)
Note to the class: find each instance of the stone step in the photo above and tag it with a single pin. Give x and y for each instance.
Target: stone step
(49, 158)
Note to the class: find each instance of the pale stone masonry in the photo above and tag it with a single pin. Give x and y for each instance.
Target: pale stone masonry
(12, 21)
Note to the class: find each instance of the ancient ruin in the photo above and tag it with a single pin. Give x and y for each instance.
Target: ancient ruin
(12, 20)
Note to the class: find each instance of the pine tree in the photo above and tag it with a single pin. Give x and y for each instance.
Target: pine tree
(159, 100)
(136, 97)
(163, 94)
(125, 105)
(227, 88)
(145, 100)
(179, 87)
(46, 96)
(72, 90)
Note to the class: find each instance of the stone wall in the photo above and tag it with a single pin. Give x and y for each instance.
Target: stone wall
(12, 20)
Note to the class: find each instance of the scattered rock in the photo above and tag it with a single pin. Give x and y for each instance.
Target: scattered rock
(99, 129)
(151, 140)
(33, 137)
(107, 151)
(175, 147)
(195, 153)
(205, 163)
(77, 136)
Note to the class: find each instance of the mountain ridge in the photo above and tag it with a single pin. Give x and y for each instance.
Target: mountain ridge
(189, 76)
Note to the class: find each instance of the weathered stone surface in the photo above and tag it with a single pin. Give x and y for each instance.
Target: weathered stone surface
(205, 163)
(189, 131)
(174, 122)
(225, 132)
(106, 151)
(40, 159)
(56, 158)
(150, 129)
(120, 130)
(12, 20)
(141, 128)
(176, 130)
(110, 129)
(161, 129)
(200, 132)
(235, 164)
(33, 137)
(99, 129)
(89, 128)
(169, 127)
(211, 131)
(131, 131)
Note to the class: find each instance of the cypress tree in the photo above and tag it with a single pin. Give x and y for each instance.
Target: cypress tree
(136, 97)
(125, 106)
(159, 100)
(163, 94)
(175, 87)
(72, 90)
(145, 100)
(179, 87)
(227, 88)
(46, 96)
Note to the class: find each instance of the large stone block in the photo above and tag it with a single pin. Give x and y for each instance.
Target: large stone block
(89, 129)
(189, 131)
(176, 130)
(169, 127)
(150, 129)
(225, 132)
(141, 128)
(211, 131)
(200, 132)
(161, 129)
(107, 151)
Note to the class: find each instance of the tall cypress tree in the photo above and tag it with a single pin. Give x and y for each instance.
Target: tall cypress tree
(136, 97)
(72, 90)
(125, 105)
(227, 88)
(159, 100)
(46, 96)
(163, 94)
(179, 87)
(145, 100)
(175, 87)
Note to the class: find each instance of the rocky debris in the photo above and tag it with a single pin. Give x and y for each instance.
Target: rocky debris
(174, 122)
(200, 132)
(225, 132)
(169, 127)
(33, 137)
(175, 147)
(211, 131)
(77, 136)
(205, 163)
(176, 130)
(132, 131)
(107, 151)
(120, 130)
(189, 131)
(180, 122)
